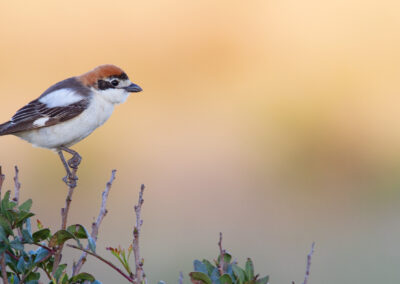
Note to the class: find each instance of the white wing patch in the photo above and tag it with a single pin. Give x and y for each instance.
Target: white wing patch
(60, 98)
(41, 121)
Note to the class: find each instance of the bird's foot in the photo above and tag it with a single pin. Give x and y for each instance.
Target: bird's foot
(75, 161)
(70, 180)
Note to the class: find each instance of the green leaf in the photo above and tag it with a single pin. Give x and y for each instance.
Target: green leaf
(60, 237)
(41, 254)
(21, 265)
(5, 224)
(16, 244)
(225, 279)
(59, 271)
(215, 275)
(249, 269)
(227, 258)
(41, 235)
(200, 267)
(239, 273)
(27, 238)
(5, 201)
(64, 278)
(22, 216)
(78, 231)
(26, 206)
(200, 277)
(32, 277)
(91, 241)
(3, 235)
(263, 280)
(81, 277)
(209, 266)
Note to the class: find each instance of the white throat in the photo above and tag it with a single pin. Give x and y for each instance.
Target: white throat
(113, 96)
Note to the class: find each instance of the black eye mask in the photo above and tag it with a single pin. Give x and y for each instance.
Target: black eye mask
(104, 85)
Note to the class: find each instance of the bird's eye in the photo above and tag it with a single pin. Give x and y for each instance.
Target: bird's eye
(114, 83)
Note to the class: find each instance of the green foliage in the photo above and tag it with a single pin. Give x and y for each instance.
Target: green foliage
(16, 237)
(122, 257)
(225, 272)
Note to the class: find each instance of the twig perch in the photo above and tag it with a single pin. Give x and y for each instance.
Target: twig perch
(2, 178)
(3, 268)
(103, 260)
(64, 217)
(65, 210)
(139, 275)
(221, 263)
(180, 277)
(307, 275)
(17, 185)
(96, 225)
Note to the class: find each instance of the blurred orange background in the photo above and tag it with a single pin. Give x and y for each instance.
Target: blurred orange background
(274, 122)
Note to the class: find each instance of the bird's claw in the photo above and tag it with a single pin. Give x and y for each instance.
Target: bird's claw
(74, 161)
(70, 180)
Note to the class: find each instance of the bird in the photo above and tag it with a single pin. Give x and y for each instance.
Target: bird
(69, 111)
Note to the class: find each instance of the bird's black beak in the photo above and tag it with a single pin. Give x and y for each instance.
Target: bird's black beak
(133, 88)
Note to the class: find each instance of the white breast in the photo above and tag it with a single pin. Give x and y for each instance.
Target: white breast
(72, 131)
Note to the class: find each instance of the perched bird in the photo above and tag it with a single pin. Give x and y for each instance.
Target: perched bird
(69, 111)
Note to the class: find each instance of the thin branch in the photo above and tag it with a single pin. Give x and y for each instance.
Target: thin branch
(17, 186)
(180, 277)
(103, 260)
(65, 210)
(64, 217)
(139, 275)
(2, 178)
(3, 268)
(96, 225)
(221, 263)
(307, 275)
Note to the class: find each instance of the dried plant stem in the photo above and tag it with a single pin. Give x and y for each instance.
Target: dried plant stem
(96, 225)
(105, 261)
(139, 275)
(17, 185)
(307, 275)
(64, 218)
(65, 210)
(3, 268)
(221, 263)
(180, 277)
(2, 178)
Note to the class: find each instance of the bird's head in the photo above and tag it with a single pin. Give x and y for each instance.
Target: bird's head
(110, 82)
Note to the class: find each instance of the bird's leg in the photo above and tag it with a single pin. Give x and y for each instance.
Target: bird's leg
(69, 179)
(75, 160)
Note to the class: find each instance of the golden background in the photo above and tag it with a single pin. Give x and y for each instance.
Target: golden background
(275, 122)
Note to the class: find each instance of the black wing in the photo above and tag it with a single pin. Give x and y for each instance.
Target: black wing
(24, 119)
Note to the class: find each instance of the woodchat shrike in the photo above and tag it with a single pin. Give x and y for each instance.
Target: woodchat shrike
(69, 111)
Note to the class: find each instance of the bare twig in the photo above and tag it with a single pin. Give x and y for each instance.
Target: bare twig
(309, 264)
(3, 268)
(65, 210)
(96, 225)
(17, 185)
(105, 261)
(64, 217)
(221, 263)
(2, 178)
(180, 277)
(139, 275)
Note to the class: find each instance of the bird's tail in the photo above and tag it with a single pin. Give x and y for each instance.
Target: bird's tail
(3, 128)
